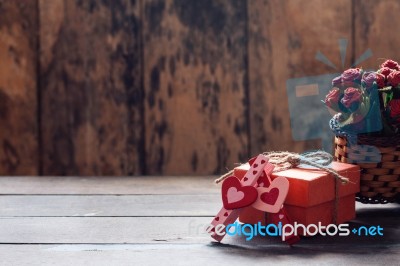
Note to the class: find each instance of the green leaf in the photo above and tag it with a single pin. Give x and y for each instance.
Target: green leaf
(388, 97)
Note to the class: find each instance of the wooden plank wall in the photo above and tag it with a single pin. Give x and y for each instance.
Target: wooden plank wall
(284, 37)
(376, 28)
(90, 83)
(195, 80)
(18, 88)
(166, 86)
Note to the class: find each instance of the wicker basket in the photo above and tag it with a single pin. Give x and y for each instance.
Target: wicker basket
(380, 181)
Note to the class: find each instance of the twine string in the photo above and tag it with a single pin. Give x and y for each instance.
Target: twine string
(286, 160)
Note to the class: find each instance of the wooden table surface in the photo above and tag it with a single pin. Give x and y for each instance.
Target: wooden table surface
(153, 221)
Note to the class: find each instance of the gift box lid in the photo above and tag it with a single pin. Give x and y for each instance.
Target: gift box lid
(311, 186)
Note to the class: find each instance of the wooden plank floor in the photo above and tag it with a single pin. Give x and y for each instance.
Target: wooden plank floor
(154, 221)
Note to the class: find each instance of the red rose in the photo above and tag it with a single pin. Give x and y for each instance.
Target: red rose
(380, 80)
(352, 75)
(352, 97)
(391, 64)
(368, 79)
(385, 71)
(394, 78)
(332, 99)
(394, 107)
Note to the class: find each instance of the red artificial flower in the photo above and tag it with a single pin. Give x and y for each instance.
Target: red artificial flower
(352, 75)
(385, 71)
(368, 79)
(351, 97)
(332, 99)
(394, 78)
(391, 64)
(394, 107)
(380, 80)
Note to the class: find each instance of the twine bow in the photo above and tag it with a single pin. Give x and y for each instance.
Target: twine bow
(286, 160)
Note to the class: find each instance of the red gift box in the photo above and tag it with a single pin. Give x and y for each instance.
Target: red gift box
(312, 197)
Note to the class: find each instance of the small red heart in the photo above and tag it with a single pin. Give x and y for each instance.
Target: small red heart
(262, 161)
(217, 219)
(245, 179)
(255, 165)
(271, 196)
(226, 214)
(235, 196)
(254, 172)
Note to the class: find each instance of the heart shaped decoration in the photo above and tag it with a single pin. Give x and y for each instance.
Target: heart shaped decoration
(235, 196)
(270, 199)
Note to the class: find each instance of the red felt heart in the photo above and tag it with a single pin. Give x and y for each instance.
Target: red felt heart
(270, 197)
(235, 196)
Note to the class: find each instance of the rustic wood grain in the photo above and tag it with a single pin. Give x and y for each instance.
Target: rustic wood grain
(110, 205)
(193, 88)
(168, 240)
(117, 230)
(108, 186)
(195, 78)
(197, 254)
(18, 100)
(375, 26)
(165, 205)
(284, 37)
(177, 230)
(91, 97)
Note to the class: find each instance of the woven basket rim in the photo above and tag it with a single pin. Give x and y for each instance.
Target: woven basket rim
(373, 138)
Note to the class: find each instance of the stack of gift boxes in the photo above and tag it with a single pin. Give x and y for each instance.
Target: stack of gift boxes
(313, 196)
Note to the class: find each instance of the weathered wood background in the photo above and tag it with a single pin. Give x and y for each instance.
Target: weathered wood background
(124, 87)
